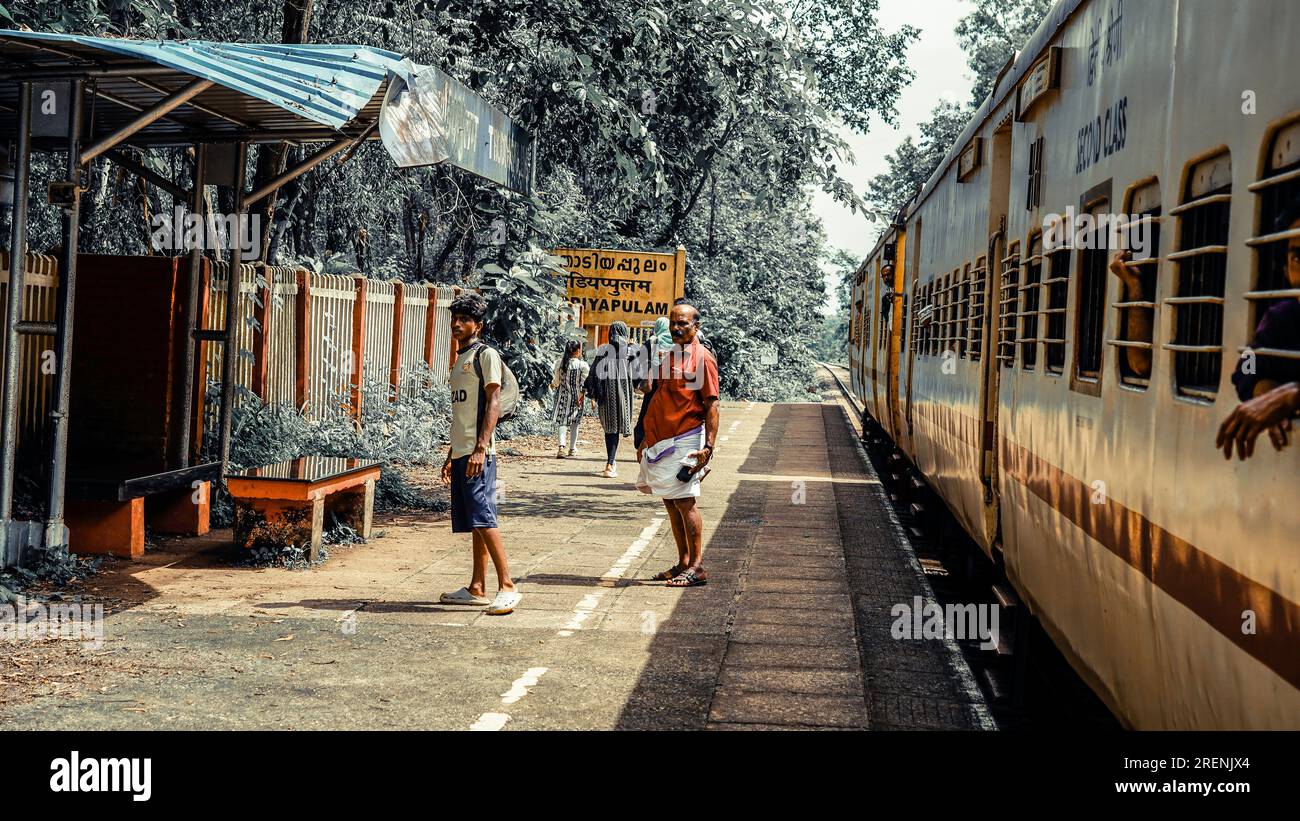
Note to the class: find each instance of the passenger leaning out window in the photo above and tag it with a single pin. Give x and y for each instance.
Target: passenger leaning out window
(1137, 322)
(1266, 384)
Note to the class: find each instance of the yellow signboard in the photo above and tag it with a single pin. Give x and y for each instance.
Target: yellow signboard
(634, 286)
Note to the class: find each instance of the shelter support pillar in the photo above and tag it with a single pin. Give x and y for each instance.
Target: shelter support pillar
(181, 456)
(234, 313)
(11, 547)
(199, 393)
(56, 534)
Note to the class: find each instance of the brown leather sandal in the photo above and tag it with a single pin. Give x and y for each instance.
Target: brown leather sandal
(666, 575)
(691, 577)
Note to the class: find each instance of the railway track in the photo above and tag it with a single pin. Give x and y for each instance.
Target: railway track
(1026, 680)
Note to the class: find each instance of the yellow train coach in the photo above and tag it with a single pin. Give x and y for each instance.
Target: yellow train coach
(1063, 398)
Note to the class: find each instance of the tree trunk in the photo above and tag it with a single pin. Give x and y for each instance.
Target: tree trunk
(272, 159)
(681, 214)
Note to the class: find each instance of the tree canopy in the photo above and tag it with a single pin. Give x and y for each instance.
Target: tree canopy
(704, 123)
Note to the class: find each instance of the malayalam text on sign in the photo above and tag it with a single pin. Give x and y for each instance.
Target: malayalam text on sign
(632, 286)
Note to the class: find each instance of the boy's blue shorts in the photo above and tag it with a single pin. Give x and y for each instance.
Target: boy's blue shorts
(473, 500)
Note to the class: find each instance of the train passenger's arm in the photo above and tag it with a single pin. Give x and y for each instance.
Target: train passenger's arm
(1249, 419)
(1137, 321)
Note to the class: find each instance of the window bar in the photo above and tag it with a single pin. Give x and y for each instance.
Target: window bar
(1191, 205)
(1277, 179)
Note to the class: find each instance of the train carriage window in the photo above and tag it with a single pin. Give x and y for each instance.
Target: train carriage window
(902, 326)
(924, 321)
(954, 310)
(918, 321)
(940, 317)
(975, 335)
(1201, 265)
(1030, 298)
(936, 336)
(944, 310)
(886, 315)
(1007, 293)
(1090, 312)
(1057, 284)
(1034, 187)
(1136, 302)
(963, 312)
(936, 340)
(1278, 192)
(932, 318)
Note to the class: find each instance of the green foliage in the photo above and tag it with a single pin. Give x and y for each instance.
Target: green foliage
(524, 320)
(132, 18)
(658, 123)
(854, 79)
(991, 34)
(832, 345)
(759, 285)
(409, 428)
(911, 164)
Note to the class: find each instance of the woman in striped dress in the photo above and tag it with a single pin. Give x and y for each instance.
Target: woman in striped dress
(570, 376)
(612, 391)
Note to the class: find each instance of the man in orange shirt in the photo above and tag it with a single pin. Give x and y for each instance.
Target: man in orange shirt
(681, 427)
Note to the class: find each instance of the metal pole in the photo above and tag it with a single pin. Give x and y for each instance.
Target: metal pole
(13, 315)
(147, 174)
(55, 532)
(182, 459)
(160, 109)
(233, 318)
(300, 169)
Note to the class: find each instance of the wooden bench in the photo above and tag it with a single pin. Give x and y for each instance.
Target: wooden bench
(105, 511)
(285, 503)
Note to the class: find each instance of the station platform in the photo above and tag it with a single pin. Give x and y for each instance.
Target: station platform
(792, 631)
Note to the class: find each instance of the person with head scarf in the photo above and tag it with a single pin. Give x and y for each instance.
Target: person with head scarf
(610, 386)
(569, 380)
(660, 341)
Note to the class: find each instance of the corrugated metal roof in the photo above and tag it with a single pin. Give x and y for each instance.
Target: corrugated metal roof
(326, 84)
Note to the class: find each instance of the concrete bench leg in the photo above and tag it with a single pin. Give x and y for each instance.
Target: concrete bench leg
(184, 512)
(115, 528)
(276, 523)
(354, 507)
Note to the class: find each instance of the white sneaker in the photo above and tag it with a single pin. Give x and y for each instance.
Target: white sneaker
(463, 596)
(504, 602)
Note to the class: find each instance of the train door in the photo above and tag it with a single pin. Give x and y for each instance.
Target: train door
(895, 314)
(915, 290)
(999, 197)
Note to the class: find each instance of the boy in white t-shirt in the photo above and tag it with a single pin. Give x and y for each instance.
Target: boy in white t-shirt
(471, 466)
